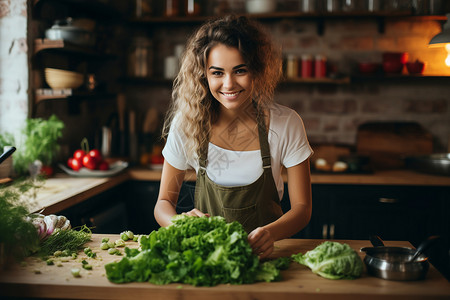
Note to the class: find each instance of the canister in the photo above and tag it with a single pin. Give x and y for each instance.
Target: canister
(306, 66)
(291, 66)
(320, 66)
(140, 58)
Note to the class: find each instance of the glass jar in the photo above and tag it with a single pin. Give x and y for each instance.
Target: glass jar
(140, 58)
(143, 8)
(291, 66)
(307, 66)
(171, 8)
(192, 7)
(320, 66)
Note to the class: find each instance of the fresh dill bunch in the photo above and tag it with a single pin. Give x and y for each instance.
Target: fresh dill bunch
(18, 237)
(71, 240)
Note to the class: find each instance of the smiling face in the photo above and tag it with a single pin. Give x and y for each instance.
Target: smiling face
(229, 79)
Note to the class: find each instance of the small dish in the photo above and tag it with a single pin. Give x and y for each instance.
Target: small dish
(114, 169)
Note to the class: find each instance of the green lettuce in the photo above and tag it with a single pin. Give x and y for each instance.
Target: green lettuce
(202, 251)
(332, 260)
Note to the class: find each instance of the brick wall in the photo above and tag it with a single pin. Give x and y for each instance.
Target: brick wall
(332, 113)
(13, 65)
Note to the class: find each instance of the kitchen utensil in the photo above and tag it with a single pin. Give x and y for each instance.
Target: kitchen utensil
(394, 263)
(7, 154)
(438, 163)
(424, 246)
(65, 30)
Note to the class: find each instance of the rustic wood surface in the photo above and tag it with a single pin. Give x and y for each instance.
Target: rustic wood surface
(298, 281)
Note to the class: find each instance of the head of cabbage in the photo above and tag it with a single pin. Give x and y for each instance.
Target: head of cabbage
(332, 260)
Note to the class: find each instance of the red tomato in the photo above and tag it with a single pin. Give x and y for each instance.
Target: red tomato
(103, 165)
(78, 154)
(47, 171)
(74, 164)
(96, 154)
(89, 162)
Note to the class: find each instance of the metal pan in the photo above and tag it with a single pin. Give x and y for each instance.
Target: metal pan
(394, 263)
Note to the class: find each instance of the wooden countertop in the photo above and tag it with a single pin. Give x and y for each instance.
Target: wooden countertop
(62, 191)
(298, 281)
(388, 177)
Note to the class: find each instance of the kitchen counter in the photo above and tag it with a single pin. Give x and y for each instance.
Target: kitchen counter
(298, 281)
(62, 191)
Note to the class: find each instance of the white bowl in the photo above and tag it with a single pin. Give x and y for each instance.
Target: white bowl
(260, 6)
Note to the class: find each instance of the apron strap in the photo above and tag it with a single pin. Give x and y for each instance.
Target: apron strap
(263, 140)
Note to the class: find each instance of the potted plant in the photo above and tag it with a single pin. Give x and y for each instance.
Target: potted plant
(38, 143)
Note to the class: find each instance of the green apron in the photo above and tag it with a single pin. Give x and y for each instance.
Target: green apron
(252, 205)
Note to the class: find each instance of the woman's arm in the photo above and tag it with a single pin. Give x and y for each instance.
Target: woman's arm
(299, 186)
(171, 181)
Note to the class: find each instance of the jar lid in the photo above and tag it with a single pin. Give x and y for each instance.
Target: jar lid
(306, 57)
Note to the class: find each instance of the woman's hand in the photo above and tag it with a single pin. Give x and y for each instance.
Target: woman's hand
(195, 213)
(261, 242)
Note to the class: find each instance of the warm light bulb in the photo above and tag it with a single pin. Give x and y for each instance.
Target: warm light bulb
(447, 60)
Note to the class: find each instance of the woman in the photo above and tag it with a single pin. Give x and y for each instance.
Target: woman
(223, 123)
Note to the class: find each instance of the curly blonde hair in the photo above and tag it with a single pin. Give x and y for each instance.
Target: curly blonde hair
(192, 102)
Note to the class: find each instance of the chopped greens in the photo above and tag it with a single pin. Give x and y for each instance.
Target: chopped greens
(202, 251)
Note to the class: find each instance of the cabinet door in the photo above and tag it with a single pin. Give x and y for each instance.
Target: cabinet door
(392, 212)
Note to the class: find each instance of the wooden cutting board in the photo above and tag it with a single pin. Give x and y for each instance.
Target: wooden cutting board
(387, 143)
(298, 281)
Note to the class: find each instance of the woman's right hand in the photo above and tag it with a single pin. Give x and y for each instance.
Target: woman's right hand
(195, 213)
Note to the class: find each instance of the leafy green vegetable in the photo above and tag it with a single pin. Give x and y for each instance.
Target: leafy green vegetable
(332, 260)
(202, 251)
(38, 141)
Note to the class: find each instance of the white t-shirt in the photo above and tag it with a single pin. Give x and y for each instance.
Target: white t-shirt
(288, 147)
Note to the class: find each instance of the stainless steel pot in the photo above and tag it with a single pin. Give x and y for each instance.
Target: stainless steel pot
(438, 164)
(394, 263)
(66, 31)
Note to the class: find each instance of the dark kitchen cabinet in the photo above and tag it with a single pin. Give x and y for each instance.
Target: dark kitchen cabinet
(108, 212)
(410, 213)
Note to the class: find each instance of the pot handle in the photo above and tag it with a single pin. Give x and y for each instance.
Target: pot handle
(376, 241)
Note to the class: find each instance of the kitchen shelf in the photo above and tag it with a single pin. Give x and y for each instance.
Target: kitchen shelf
(64, 8)
(320, 18)
(69, 48)
(48, 94)
(344, 80)
(397, 78)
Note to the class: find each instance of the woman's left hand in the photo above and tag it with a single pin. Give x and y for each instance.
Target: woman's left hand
(261, 242)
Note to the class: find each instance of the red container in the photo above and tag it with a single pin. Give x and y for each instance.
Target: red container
(401, 57)
(392, 67)
(320, 66)
(306, 66)
(416, 67)
(368, 67)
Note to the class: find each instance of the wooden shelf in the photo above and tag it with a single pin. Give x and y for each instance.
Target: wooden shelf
(344, 80)
(48, 94)
(397, 78)
(67, 47)
(74, 8)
